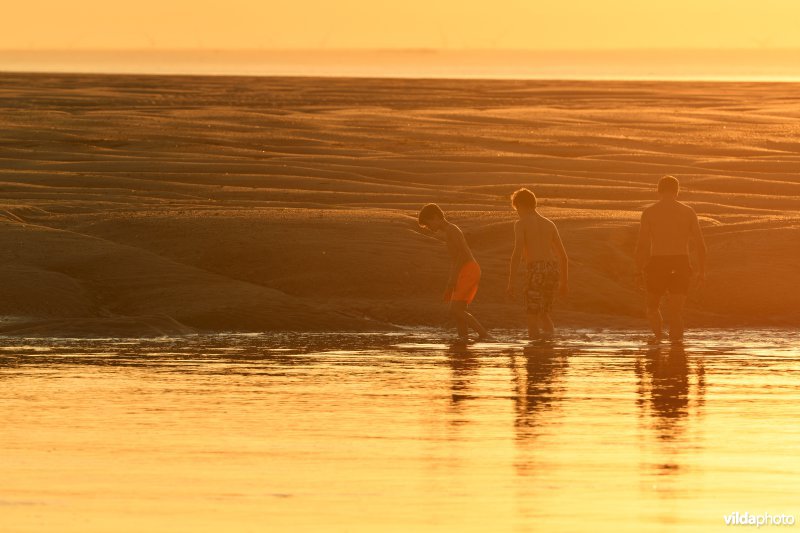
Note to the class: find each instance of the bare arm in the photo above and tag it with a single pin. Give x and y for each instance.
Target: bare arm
(459, 253)
(563, 260)
(699, 244)
(643, 244)
(516, 255)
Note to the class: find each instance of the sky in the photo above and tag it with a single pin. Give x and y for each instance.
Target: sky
(403, 24)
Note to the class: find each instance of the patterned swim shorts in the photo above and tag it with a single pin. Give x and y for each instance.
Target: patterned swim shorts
(543, 279)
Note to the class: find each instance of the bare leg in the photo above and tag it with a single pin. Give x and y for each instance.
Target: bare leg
(458, 310)
(547, 324)
(675, 304)
(474, 324)
(533, 326)
(654, 315)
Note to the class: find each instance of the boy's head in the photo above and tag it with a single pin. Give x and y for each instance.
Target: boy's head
(668, 186)
(431, 216)
(524, 200)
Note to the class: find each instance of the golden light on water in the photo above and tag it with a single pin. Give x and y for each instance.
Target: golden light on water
(286, 200)
(396, 432)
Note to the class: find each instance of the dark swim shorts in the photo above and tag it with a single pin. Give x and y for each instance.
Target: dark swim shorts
(543, 278)
(668, 273)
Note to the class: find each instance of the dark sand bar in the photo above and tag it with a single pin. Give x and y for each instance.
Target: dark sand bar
(138, 205)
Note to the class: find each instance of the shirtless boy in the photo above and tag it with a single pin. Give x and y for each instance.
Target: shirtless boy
(667, 229)
(537, 240)
(465, 274)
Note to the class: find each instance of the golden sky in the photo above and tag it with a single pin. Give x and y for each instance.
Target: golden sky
(451, 24)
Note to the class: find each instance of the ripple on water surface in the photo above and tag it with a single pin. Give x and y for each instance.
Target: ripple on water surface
(595, 429)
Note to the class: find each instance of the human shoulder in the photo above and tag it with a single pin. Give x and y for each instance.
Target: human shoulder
(648, 213)
(689, 210)
(453, 231)
(453, 227)
(546, 224)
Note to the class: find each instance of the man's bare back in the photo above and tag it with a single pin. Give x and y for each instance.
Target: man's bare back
(670, 226)
(667, 230)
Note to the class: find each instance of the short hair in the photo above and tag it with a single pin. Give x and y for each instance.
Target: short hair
(523, 198)
(668, 184)
(428, 212)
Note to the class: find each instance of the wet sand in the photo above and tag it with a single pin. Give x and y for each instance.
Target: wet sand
(135, 205)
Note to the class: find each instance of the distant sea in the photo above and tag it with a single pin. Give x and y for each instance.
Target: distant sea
(700, 65)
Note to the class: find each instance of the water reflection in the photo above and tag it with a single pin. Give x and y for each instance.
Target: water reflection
(665, 391)
(464, 364)
(226, 354)
(670, 404)
(537, 386)
(536, 377)
(663, 383)
(400, 430)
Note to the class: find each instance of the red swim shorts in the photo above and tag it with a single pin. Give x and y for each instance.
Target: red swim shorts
(466, 284)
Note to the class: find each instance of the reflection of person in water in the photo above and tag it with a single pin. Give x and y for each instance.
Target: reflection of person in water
(667, 392)
(667, 396)
(664, 395)
(537, 388)
(464, 365)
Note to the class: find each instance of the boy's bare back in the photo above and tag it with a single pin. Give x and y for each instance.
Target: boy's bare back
(538, 236)
(457, 245)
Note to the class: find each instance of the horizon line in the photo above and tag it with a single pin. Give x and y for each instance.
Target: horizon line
(412, 49)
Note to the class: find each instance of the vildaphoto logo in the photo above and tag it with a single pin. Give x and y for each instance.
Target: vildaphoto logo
(758, 520)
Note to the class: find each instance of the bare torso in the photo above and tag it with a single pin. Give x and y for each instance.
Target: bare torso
(457, 246)
(670, 225)
(538, 237)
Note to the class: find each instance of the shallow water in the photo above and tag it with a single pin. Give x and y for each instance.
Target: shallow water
(595, 431)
